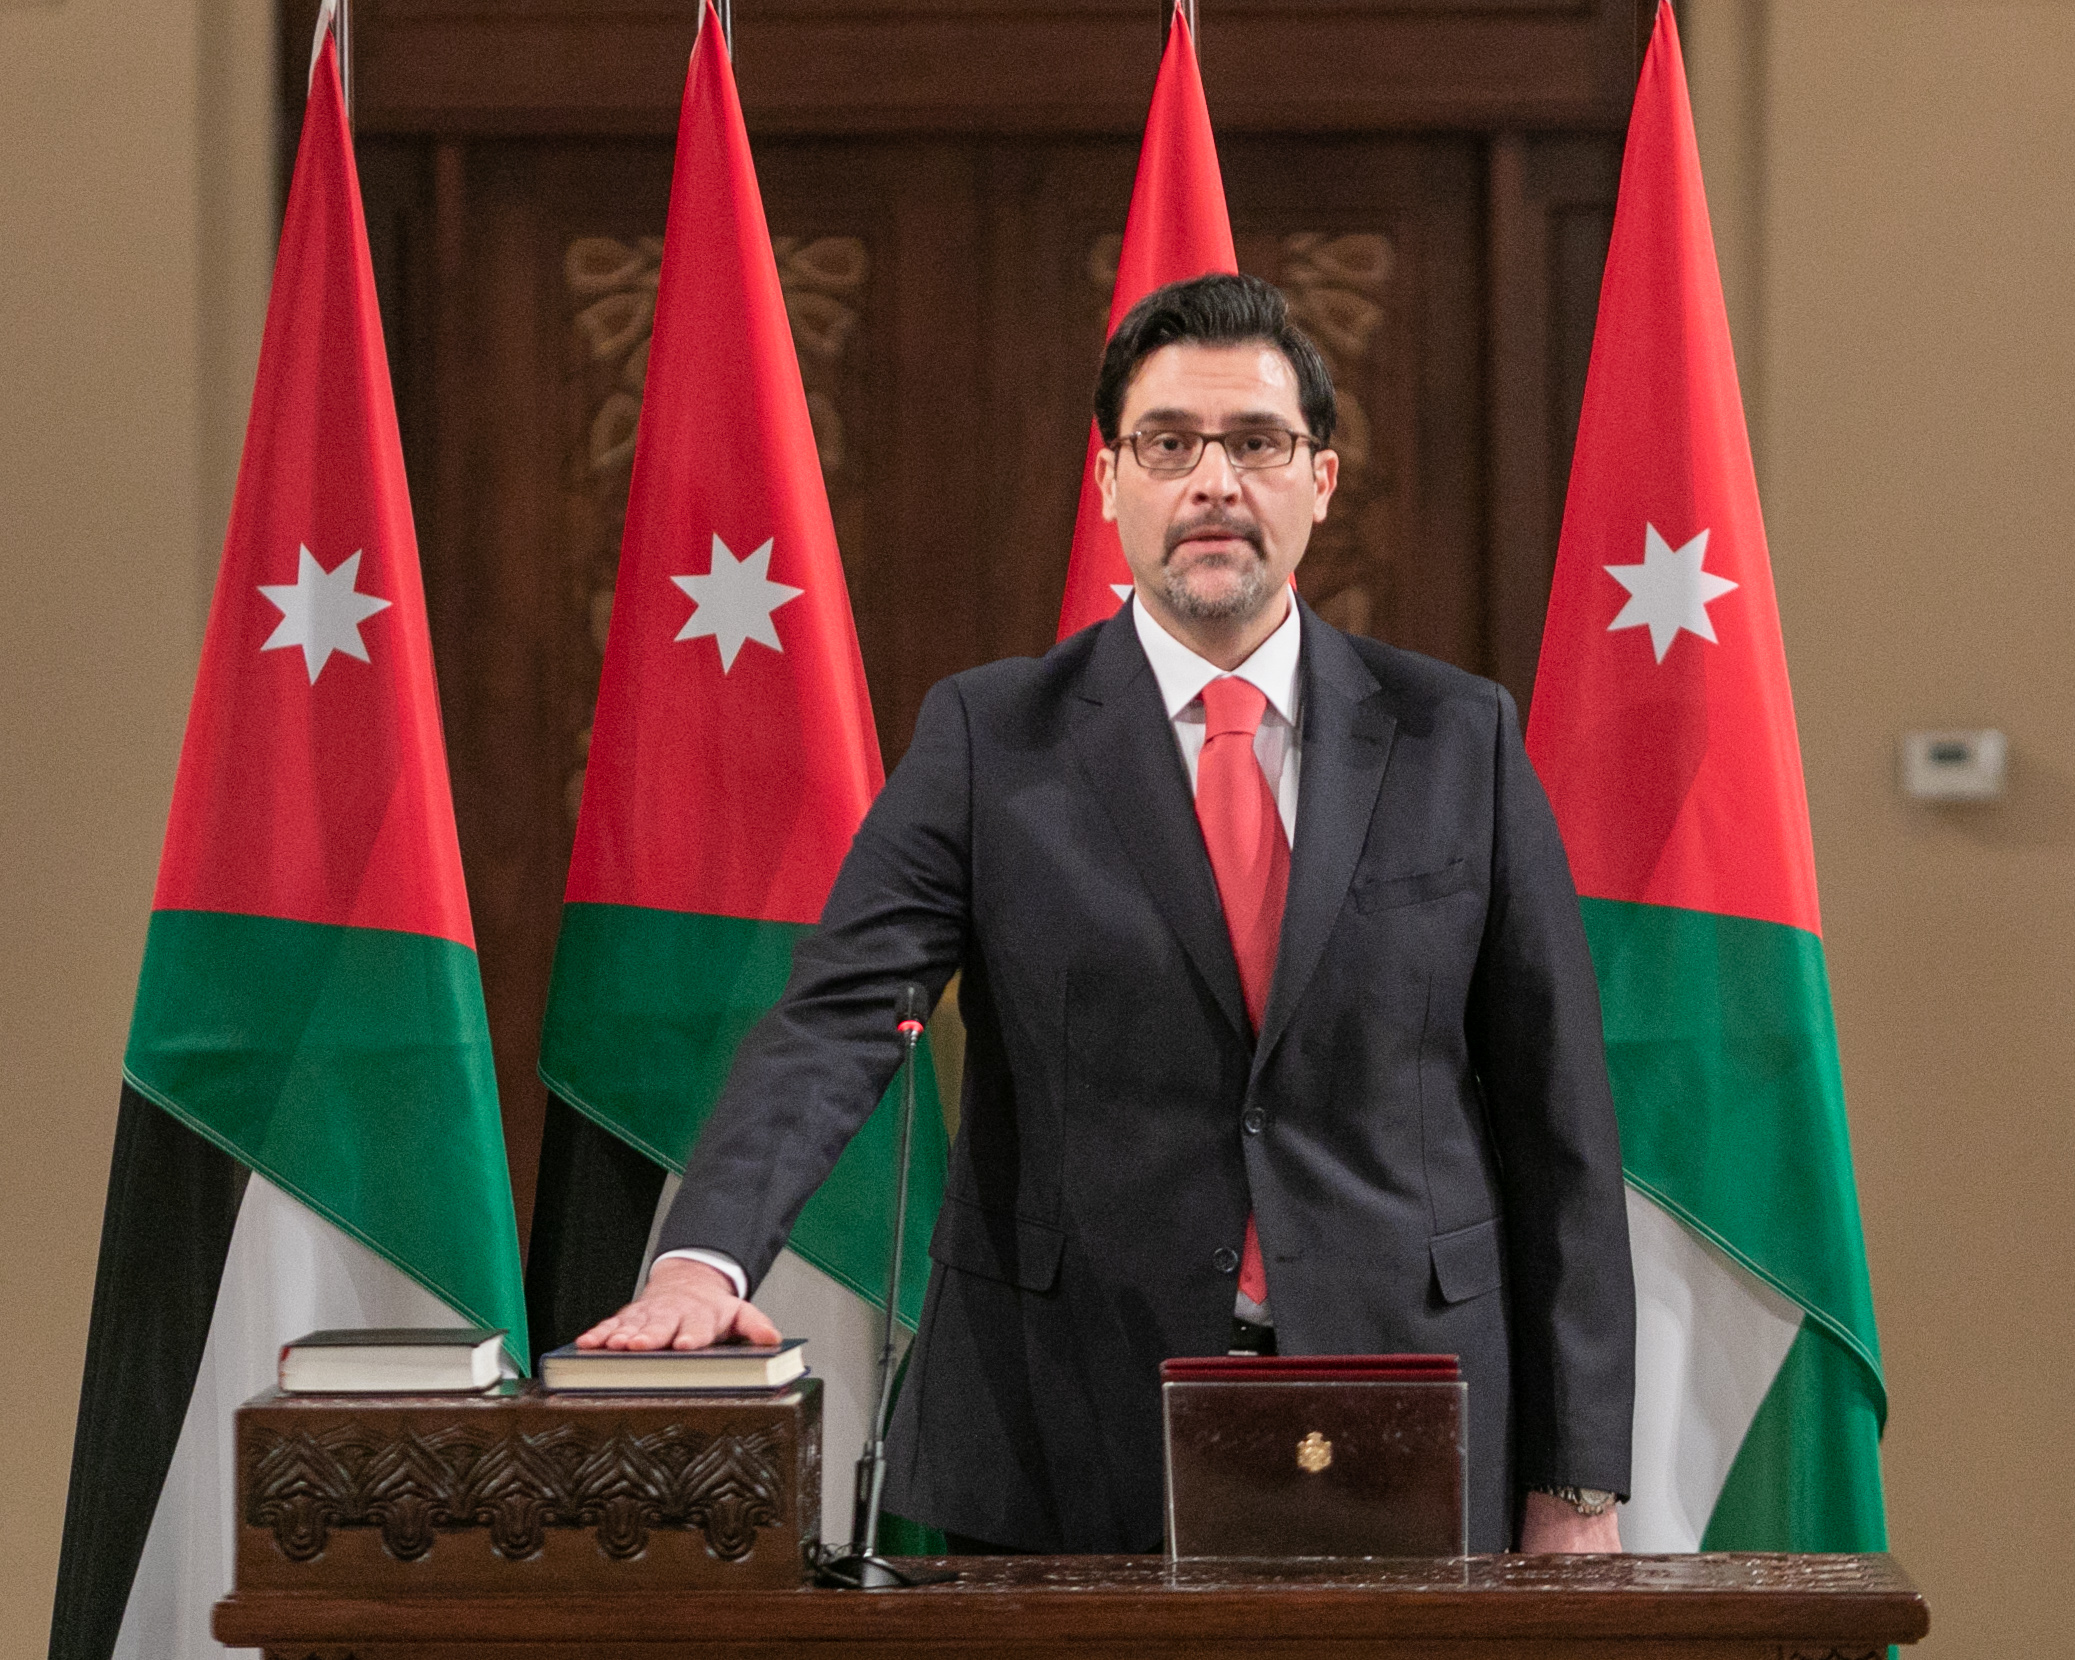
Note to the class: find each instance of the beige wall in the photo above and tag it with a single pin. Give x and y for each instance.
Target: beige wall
(1894, 189)
(1895, 185)
(134, 250)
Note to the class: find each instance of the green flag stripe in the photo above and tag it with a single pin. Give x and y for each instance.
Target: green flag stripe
(645, 1013)
(351, 1067)
(1807, 1477)
(1723, 1057)
(646, 1010)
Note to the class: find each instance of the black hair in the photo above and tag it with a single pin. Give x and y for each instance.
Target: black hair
(1219, 310)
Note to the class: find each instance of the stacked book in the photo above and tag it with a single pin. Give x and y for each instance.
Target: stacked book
(731, 1367)
(393, 1360)
(404, 1360)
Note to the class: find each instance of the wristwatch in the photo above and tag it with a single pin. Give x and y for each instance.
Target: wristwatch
(1587, 1501)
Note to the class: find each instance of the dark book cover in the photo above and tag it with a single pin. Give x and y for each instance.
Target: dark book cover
(725, 1366)
(388, 1337)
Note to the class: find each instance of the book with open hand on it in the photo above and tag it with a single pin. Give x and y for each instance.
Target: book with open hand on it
(735, 1367)
(392, 1359)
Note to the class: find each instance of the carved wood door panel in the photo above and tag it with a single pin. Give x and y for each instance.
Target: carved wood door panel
(947, 264)
(948, 302)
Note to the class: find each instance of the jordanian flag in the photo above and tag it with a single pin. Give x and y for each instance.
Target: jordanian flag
(1663, 729)
(1177, 229)
(731, 762)
(309, 1133)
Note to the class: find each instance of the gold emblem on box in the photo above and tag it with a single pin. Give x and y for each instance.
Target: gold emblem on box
(1314, 1453)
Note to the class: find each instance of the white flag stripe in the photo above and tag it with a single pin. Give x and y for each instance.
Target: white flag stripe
(842, 1332)
(288, 1272)
(844, 1352)
(1710, 1339)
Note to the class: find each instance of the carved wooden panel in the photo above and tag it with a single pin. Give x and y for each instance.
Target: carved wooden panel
(532, 1492)
(1549, 216)
(946, 256)
(1821, 1651)
(1340, 293)
(1377, 244)
(409, 1487)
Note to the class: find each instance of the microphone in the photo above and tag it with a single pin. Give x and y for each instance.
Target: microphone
(860, 1567)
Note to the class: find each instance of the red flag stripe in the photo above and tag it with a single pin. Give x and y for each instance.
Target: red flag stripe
(313, 779)
(727, 774)
(1671, 759)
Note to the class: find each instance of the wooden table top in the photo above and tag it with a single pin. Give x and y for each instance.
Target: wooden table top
(1863, 1601)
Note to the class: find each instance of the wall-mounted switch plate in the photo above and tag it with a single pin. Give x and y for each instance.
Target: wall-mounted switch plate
(1954, 766)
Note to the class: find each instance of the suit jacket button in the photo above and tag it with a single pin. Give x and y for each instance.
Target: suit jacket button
(1226, 1258)
(1253, 1120)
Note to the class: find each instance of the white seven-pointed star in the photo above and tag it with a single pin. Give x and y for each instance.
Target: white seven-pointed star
(320, 611)
(1122, 590)
(1668, 591)
(734, 600)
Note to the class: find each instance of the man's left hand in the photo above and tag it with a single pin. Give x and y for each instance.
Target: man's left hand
(1552, 1527)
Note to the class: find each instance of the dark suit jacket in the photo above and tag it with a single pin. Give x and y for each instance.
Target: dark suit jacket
(1424, 1128)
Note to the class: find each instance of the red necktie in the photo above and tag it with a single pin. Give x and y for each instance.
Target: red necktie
(1250, 857)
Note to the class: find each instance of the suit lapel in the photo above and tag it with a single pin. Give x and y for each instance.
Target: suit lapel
(1347, 735)
(1126, 751)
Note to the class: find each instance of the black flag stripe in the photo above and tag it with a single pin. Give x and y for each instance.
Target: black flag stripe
(172, 1203)
(594, 1203)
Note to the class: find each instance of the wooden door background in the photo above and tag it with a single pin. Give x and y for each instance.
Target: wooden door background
(1432, 182)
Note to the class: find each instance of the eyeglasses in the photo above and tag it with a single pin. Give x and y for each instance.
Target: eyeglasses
(1172, 452)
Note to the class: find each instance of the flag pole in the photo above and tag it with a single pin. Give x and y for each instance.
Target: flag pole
(342, 32)
(333, 15)
(726, 11)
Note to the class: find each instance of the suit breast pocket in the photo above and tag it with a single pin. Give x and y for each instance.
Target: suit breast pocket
(1384, 890)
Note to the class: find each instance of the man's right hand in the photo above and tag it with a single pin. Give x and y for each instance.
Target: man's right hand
(684, 1305)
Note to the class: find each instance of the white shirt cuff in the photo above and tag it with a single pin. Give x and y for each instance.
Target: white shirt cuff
(713, 1259)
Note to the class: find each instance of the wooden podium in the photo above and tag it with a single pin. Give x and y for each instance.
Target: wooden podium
(519, 1527)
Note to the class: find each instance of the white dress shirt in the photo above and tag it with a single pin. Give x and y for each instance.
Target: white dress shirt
(1273, 668)
(1182, 675)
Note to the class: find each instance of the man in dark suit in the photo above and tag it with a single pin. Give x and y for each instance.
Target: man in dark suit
(1281, 1028)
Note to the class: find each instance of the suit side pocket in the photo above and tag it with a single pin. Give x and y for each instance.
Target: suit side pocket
(996, 1245)
(1466, 1261)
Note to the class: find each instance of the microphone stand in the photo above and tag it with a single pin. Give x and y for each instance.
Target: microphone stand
(861, 1567)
